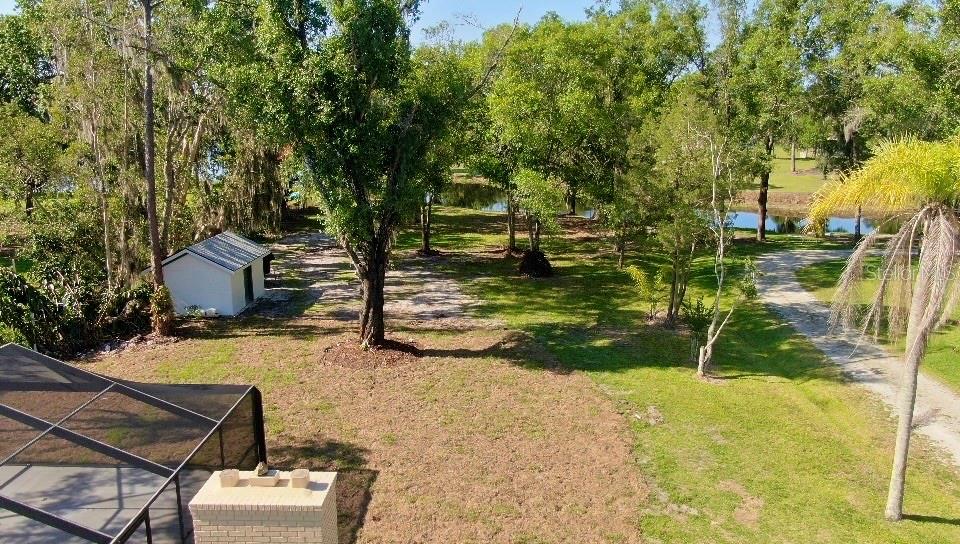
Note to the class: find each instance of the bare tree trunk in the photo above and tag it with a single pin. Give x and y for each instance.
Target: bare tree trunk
(572, 201)
(530, 231)
(425, 213)
(905, 406)
(674, 288)
(28, 200)
(762, 207)
(107, 246)
(764, 194)
(124, 249)
(161, 306)
(170, 184)
(535, 243)
(921, 322)
(149, 149)
(621, 250)
(511, 224)
(793, 157)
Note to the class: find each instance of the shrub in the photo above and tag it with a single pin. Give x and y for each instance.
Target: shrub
(697, 317)
(650, 287)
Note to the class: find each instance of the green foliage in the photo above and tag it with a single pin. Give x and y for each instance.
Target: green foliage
(28, 313)
(63, 304)
(161, 311)
(650, 288)
(697, 317)
(539, 196)
(32, 157)
(24, 65)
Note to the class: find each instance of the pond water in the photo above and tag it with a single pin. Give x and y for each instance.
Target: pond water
(794, 225)
(478, 196)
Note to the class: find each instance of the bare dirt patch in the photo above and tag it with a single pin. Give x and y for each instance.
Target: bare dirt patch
(748, 511)
(469, 433)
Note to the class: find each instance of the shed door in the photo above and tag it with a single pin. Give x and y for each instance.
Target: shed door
(248, 284)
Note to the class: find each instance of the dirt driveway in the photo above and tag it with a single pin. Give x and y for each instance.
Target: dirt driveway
(863, 362)
(476, 438)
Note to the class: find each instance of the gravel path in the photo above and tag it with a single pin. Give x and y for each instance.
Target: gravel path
(414, 292)
(937, 413)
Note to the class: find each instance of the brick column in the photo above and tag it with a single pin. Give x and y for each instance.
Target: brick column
(252, 511)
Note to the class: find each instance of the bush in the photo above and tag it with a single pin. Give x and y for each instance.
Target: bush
(68, 316)
(63, 304)
(650, 287)
(161, 310)
(697, 317)
(535, 264)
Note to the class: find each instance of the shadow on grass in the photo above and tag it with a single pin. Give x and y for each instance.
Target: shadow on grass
(920, 518)
(354, 481)
(588, 316)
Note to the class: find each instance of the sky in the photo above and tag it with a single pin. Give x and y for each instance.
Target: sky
(469, 18)
(484, 13)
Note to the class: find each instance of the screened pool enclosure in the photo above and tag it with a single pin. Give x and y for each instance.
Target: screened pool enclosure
(86, 458)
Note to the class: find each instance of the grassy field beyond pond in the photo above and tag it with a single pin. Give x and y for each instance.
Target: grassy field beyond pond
(778, 449)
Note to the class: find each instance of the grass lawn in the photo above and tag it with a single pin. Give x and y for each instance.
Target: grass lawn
(944, 349)
(555, 413)
(807, 179)
(780, 449)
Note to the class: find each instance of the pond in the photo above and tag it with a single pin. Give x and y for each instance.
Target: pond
(478, 196)
(794, 225)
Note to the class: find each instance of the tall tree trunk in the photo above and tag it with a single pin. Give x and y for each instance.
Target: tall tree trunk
(905, 405)
(764, 194)
(793, 157)
(170, 184)
(572, 201)
(535, 245)
(511, 224)
(621, 250)
(425, 216)
(107, 245)
(762, 206)
(161, 306)
(124, 248)
(530, 231)
(922, 319)
(674, 288)
(149, 147)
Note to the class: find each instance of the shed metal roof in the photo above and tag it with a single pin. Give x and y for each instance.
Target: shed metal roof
(228, 250)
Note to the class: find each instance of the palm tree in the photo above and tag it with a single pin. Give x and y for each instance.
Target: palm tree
(917, 289)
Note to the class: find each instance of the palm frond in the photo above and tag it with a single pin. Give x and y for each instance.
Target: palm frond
(938, 255)
(904, 174)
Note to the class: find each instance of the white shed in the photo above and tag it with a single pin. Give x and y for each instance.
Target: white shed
(224, 273)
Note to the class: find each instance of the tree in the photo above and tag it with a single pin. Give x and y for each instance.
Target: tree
(162, 308)
(32, 157)
(915, 294)
(342, 87)
(24, 65)
(434, 177)
(491, 155)
(683, 176)
(768, 87)
(861, 60)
